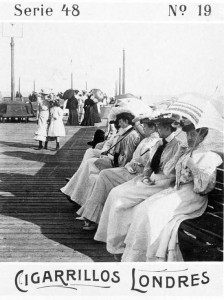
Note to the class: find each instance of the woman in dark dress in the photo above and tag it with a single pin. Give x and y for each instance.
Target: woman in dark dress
(72, 106)
(96, 114)
(89, 118)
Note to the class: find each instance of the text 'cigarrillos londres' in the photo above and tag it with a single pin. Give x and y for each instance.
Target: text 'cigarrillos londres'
(142, 281)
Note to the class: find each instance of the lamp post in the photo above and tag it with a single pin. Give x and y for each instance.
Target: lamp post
(12, 32)
(119, 81)
(14, 109)
(12, 44)
(123, 81)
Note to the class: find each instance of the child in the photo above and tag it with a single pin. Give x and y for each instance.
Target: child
(56, 128)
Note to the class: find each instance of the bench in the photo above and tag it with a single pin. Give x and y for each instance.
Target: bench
(201, 239)
(15, 109)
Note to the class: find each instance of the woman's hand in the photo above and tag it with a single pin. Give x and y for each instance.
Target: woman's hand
(190, 164)
(130, 169)
(148, 181)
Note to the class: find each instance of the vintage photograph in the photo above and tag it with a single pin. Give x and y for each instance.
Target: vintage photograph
(111, 143)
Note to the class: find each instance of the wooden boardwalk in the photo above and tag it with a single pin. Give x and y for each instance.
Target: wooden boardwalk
(37, 222)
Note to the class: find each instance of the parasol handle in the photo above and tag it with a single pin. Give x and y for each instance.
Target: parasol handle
(123, 136)
(145, 152)
(195, 143)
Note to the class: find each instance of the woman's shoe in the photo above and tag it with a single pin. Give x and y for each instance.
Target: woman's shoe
(45, 145)
(57, 146)
(40, 146)
(92, 226)
(80, 219)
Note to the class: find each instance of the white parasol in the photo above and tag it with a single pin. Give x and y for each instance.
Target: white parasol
(136, 106)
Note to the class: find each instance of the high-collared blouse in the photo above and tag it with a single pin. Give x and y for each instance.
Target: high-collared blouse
(202, 173)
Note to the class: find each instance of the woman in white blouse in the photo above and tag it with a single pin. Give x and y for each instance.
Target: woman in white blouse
(152, 235)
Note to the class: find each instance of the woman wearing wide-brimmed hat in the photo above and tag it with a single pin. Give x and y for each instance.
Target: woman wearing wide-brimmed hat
(153, 234)
(43, 118)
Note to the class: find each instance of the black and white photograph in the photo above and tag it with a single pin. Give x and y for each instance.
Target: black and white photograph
(111, 149)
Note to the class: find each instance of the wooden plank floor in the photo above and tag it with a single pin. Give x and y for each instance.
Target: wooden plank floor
(37, 222)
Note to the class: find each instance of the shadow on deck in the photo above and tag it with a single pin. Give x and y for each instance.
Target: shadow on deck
(37, 221)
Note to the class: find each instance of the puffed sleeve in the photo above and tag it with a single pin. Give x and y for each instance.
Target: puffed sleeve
(203, 168)
(171, 164)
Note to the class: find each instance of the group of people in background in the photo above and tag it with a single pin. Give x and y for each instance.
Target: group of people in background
(49, 120)
(82, 110)
(135, 190)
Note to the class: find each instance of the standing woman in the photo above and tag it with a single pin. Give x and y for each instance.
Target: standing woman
(43, 119)
(89, 118)
(72, 106)
(56, 128)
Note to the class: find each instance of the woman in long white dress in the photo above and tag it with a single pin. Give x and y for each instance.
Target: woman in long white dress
(152, 235)
(83, 181)
(109, 178)
(117, 211)
(43, 113)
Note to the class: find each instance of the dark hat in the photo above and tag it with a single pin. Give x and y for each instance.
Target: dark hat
(188, 127)
(163, 121)
(147, 121)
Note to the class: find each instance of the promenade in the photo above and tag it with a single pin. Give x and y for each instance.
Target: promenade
(37, 222)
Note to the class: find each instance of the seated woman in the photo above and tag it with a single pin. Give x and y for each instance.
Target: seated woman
(83, 181)
(110, 178)
(152, 235)
(116, 216)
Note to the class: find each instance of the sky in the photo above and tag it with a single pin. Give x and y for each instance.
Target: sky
(161, 59)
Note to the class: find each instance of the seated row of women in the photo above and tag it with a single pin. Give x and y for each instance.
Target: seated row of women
(136, 191)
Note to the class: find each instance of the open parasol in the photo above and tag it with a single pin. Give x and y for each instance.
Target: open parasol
(135, 105)
(68, 94)
(198, 109)
(98, 94)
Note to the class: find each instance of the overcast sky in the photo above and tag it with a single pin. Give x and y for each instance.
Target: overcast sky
(161, 59)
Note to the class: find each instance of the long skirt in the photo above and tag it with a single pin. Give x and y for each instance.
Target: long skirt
(42, 130)
(89, 119)
(96, 114)
(153, 234)
(82, 182)
(118, 210)
(73, 117)
(106, 180)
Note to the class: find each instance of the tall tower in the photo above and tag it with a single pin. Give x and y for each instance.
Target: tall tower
(119, 81)
(123, 80)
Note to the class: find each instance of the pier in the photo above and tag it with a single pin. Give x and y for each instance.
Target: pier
(37, 222)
